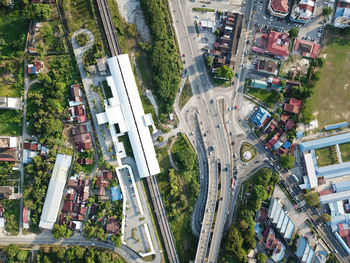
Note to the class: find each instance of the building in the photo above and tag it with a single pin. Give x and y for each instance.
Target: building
(324, 142)
(342, 14)
(75, 93)
(302, 11)
(77, 114)
(293, 106)
(260, 117)
(84, 161)
(279, 8)
(274, 245)
(112, 226)
(25, 217)
(124, 114)
(7, 154)
(55, 191)
(304, 251)
(267, 66)
(280, 219)
(8, 103)
(36, 67)
(306, 48)
(310, 170)
(79, 129)
(258, 84)
(277, 44)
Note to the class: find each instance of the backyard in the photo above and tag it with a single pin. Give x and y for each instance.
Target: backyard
(326, 156)
(331, 98)
(345, 151)
(265, 96)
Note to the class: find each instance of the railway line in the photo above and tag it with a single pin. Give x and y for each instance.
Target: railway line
(114, 46)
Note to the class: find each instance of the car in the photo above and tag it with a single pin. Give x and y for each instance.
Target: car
(184, 55)
(196, 17)
(236, 107)
(233, 143)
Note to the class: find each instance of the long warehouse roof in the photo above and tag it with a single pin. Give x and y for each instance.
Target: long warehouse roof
(55, 191)
(310, 169)
(324, 142)
(125, 89)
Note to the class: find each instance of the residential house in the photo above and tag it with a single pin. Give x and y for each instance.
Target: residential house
(10, 103)
(274, 246)
(289, 124)
(83, 141)
(82, 128)
(72, 183)
(107, 175)
(275, 84)
(84, 161)
(25, 217)
(113, 226)
(75, 93)
(77, 113)
(306, 48)
(7, 154)
(302, 11)
(274, 139)
(260, 117)
(68, 206)
(277, 44)
(267, 66)
(258, 84)
(293, 106)
(279, 8)
(36, 67)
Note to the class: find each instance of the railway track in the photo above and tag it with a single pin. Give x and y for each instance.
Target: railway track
(162, 219)
(113, 43)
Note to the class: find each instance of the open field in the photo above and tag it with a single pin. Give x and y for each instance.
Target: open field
(345, 151)
(331, 98)
(266, 96)
(326, 156)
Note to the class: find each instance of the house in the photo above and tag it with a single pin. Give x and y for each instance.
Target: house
(306, 48)
(342, 14)
(101, 191)
(82, 128)
(6, 192)
(36, 67)
(279, 8)
(107, 175)
(7, 154)
(75, 93)
(112, 226)
(32, 146)
(84, 161)
(82, 210)
(284, 118)
(68, 206)
(302, 11)
(72, 183)
(289, 125)
(277, 44)
(260, 117)
(258, 84)
(8, 103)
(25, 217)
(82, 138)
(77, 113)
(267, 66)
(274, 246)
(293, 106)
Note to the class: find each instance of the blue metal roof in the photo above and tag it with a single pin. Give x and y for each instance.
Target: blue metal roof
(300, 134)
(336, 126)
(332, 171)
(286, 145)
(324, 142)
(259, 84)
(301, 247)
(341, 186)
(260, 116)
(116, 194)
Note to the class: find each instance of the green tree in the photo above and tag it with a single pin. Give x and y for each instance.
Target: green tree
(261, 258)
(5, 3)
(209, 60)
(306, 113)
(287, 161)
(39, 12)
(293, 32)
(282, 83)
(259, 192)
(22, 255)
(264, 176)
(316, 76)
(326, 217)
(326, 11)
(225, 72)
(12, 250)
(46, 30)
(312, 199)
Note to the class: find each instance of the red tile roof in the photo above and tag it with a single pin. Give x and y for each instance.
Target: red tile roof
(307, 48)
(72, 183)
(83, 146)
(85, 137)
(280, 6)
(75, 93)
(278, 44)
(25, 215)
(293, 106)
(107, 175)
(67, 206)
(113, 226)
(290, 124)
(101, 191)
(7, 154)
(79, 129)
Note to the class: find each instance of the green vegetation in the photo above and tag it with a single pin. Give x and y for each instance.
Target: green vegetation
(164, 55)
(11, 78)
(240, 238)
(265, 96)
(225, 72)
(203, 10)
(59, 231)
(125, 140)
(326, 156)
(287, 161)
(293, 32)
(261, 258)
(11, 215)
(160, 138)
(333, 77)
(326, 217)
(94, 53)
(179, 191)
(38, 12)
(186, 94)
(11, 122)
(82, 39)
(312, 199)
(326, 12)
(332, 259)
(62, 254)
(7, 174)
(247, 147)
(345, 151)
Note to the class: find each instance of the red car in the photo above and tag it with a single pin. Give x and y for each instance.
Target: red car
(184, 55)
(236, 107)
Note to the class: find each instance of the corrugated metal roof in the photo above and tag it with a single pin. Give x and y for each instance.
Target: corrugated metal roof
(341, 186)
(324, 142)
(310, 169)
(325, 199)
(333, 171)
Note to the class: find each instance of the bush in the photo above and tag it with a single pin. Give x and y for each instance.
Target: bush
(160, 138)
(312, 199)
(82, 39)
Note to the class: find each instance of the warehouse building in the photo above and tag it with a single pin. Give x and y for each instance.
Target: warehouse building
(304, 251)
(55, 191)
(281, 219)
(324, 142)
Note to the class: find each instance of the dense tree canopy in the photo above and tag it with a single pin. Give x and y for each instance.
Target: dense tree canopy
(312, 199)
(39, 12)
(287, 161)
(225, 72)
(261, 258)
(293, 32)
(326, 217)
(327, 11)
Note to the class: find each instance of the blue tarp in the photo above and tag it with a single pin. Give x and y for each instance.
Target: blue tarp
(116, 194)
(286, 145)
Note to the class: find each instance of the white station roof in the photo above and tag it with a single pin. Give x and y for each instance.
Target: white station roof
(123, 86)
(55, 191)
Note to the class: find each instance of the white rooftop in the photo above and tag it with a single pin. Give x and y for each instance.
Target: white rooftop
(310, 169)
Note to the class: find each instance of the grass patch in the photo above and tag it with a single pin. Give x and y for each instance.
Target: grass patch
(11, 78)
(125, 140)
(250, 148)
(326, 156)
(107, 90)
(186, 94)
(334, 79)
(265, 96)
(11, 215)
(203, 10)
(11, 122)
(345, 151)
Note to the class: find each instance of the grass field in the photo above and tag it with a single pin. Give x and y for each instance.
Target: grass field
(11, 122)
(331, 98)
(326, 156)
(266, 96)
(345, 151)
(186, 94)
